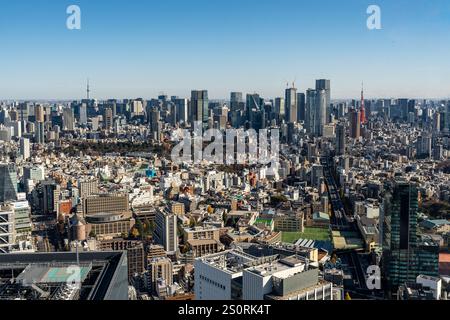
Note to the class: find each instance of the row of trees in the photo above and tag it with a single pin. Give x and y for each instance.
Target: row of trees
(144, 230)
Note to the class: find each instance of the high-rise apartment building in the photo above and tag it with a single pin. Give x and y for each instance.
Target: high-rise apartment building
(166, 230)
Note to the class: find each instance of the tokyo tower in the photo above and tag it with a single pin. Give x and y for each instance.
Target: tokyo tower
(363, 109)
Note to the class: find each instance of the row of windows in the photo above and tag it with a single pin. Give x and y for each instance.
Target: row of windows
(216, 284)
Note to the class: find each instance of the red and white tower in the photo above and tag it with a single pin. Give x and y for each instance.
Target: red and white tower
(363, 109)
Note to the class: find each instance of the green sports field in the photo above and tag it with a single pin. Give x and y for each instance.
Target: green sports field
(310, 233)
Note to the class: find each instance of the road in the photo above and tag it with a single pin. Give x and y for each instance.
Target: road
(341, 221)
(339, 218)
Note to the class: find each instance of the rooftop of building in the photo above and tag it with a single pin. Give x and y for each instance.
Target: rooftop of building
(44, 276)
(231, 261)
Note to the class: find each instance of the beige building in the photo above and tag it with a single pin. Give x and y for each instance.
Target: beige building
(204, 247)
(109, 225)
(201, 233)
(135, 253)
(105, 203)
(202, 240)
(155, 251)
(178, 208)
(289, 222)
(159, 268)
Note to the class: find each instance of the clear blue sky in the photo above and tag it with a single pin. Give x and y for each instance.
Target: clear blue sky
(140, 48)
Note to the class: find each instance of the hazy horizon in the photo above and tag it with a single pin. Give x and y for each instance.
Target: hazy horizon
(144, 48)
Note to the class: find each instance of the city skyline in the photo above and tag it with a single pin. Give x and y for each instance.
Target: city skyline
(288, 86)
(143, 49)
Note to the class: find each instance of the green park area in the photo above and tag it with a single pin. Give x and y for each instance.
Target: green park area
(320, 234)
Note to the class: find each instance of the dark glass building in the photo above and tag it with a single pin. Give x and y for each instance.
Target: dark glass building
(405, 254)
(8, 182)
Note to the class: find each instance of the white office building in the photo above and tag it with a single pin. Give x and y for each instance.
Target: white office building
(235, 275)
(166, 230)
(219, 276)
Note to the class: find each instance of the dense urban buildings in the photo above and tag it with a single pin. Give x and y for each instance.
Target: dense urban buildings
(354, 205)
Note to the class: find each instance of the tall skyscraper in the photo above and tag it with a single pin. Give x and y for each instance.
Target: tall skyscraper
(355, 123)
(39, 122)
(25, 148)
(199, 106)
(8, 182)
(68, 119)
(301, 106)
(291, 105)
(323, 84)
(321, 111)
(39, 113)
(405, 255)
(155, 123)
(310, 110)
(235, 101)
(182, 110)
(340, 139)
(437, 122)
(39, 133)
(108, 119)
(315, 111)
(446, 118)
(112, 103)
(80, 112)
(403, 108)
(255, 110)
(279, 108)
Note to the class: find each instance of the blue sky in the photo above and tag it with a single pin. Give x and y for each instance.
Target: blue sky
(140, 48)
